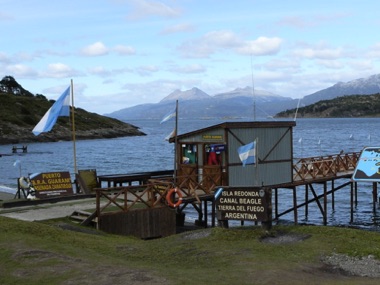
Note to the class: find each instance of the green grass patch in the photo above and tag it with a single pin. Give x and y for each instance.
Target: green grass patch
(42, 253)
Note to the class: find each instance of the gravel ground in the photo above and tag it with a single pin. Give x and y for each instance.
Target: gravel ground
(364, 267)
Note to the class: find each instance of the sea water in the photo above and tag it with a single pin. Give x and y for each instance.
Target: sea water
(311, 137)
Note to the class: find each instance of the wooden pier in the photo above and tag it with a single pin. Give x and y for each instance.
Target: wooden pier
(325, 171)
(24, 149)
(150, 191)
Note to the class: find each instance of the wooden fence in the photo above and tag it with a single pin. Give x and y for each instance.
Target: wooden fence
(324, 166)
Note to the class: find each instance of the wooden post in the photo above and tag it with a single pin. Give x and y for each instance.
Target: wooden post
(267, 225)
(352, 202)
(374, 196)
(295, 205)
(332, 195)
(356, 194)
(276, 202)
(306, 200)
(325, 203)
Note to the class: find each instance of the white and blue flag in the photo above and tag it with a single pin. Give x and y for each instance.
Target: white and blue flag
(247, 153)
(61, 107)
(168, 116)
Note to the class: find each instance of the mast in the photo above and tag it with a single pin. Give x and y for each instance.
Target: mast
(253, 93)
(175, 141)
(73, 127)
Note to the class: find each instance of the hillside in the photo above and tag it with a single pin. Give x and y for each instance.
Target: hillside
(340, 107)
(20, 111)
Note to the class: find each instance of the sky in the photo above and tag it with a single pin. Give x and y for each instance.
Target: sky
(122, 53)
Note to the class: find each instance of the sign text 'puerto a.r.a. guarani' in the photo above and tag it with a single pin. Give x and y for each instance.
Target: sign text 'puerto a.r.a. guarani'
(52, 184)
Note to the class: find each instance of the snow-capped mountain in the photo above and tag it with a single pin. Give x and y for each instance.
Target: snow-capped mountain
(195, 103)
(192, 94)
(258, 95)
(361, 86)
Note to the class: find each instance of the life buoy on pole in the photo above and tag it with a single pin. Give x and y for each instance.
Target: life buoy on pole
(169, 197)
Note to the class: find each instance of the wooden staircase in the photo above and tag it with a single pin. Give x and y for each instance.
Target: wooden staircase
(84, 218)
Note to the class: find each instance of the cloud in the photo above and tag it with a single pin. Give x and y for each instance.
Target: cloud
(99, 49)
(4, 58)
(59, 70)
(99, 70)
(58, 89)
(21, 71)
(222, 39)
(5, 17)
(374, 51)
(318, 52)
(179, 28)
(261, 46)
(95, 49)
(301, 22)
(215, 41)
(361, 64)
(104, 72)
(295, 21)
(147, 70)
(137, 92)
(209, 44)
(124, 50)
(188, 69)
(144, 8)
(331, 64)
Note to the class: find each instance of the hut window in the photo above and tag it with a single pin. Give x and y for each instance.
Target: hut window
(214, 154)
(189, 153)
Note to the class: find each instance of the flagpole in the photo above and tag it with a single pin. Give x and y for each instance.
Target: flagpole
(253, 92)
(73, 128)
(175, 142)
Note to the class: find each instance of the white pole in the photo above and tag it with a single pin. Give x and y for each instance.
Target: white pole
(73, 127)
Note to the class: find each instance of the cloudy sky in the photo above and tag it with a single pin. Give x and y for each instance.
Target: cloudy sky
(121, 53)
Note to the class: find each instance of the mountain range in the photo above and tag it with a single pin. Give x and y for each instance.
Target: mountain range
(241, 102)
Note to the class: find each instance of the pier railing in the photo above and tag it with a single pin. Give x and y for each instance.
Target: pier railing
(324, 166)
(152, 194)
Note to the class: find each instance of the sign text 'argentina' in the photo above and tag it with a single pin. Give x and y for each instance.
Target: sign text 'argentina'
(242, 204)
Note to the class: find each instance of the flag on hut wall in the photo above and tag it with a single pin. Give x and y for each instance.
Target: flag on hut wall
(247, 153)
(61, 107)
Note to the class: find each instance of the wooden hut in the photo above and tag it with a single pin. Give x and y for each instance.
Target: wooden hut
(210, 155)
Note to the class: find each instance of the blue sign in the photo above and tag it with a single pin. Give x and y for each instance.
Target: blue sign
(368, 166)
(218, 147)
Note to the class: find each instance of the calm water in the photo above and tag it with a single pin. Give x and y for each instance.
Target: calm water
(312, 137)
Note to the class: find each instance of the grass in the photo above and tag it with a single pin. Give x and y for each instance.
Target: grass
(42, 253)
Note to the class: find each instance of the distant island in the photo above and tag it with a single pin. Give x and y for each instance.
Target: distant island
(20, 111)
(352, 106)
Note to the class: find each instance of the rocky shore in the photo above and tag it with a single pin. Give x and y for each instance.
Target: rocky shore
(20, 135)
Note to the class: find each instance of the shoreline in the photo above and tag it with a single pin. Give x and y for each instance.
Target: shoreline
(5, 196)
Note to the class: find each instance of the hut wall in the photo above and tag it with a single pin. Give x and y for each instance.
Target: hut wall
(273, 148)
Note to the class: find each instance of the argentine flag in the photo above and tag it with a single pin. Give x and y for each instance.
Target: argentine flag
(168, 116)
(247, 153)
(61, 107)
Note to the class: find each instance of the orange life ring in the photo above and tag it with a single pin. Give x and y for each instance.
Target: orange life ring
(169, 197)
